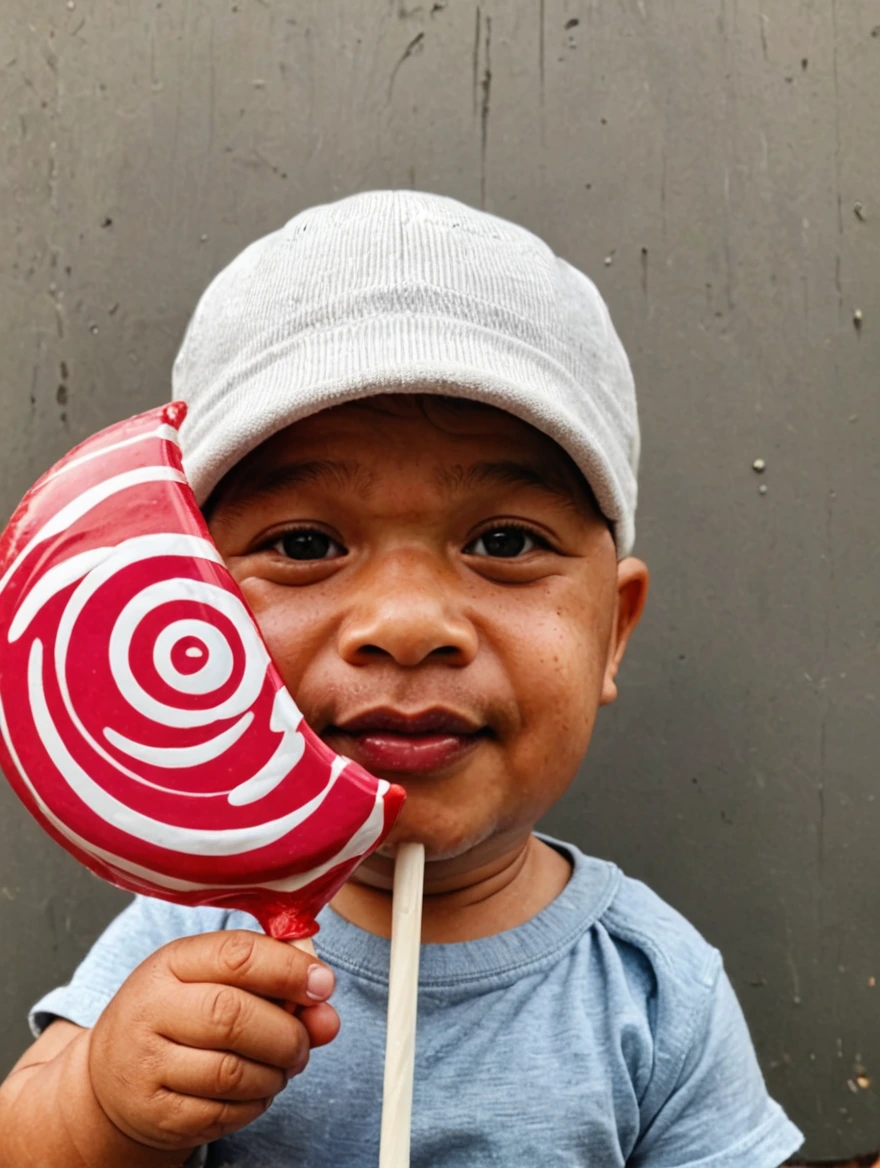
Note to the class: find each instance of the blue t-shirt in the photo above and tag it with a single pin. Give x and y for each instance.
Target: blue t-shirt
(603, 1032)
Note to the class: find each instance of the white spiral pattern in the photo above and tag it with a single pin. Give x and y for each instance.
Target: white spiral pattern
(141, 717)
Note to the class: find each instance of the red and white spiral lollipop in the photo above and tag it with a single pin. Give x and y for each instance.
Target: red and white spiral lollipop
(142, 720)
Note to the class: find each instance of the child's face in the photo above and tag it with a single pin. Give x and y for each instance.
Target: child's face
(409, 555)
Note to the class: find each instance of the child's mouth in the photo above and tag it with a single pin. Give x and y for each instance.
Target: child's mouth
(389, 740)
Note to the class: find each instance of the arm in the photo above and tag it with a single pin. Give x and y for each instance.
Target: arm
(194, 1045)
(711, 1107)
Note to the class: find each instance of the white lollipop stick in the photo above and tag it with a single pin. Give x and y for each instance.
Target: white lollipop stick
(403, 992)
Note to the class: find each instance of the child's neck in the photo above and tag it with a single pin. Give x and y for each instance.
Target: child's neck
(465, 902)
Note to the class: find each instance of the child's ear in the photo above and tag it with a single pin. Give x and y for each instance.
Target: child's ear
(632, 592)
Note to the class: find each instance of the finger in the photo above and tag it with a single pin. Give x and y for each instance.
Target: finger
(222, 1017)
(321, 1023)
(252, 961)
(188, 1117)
(215, 1074)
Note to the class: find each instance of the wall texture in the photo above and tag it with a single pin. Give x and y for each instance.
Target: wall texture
(715, 165)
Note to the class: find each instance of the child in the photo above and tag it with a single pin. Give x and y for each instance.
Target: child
(414, 433)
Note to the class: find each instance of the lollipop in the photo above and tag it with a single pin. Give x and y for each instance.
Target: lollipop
(142, 721)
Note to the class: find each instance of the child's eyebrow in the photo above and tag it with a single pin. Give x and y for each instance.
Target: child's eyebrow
(250, 484)
(510, 472)
(353, 476)
(345, 475)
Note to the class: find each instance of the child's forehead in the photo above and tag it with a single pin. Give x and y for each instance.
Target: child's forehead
(455, 445)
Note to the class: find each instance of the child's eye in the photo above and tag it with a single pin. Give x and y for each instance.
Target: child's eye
(506, 542)
(308, 544)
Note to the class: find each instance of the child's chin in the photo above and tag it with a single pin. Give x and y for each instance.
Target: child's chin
(439, 846)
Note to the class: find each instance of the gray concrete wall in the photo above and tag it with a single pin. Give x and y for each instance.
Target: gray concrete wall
(715, 165)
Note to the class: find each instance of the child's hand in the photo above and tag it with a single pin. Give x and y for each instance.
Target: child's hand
(193, 1046)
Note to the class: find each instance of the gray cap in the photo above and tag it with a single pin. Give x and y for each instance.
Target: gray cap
(401, 291)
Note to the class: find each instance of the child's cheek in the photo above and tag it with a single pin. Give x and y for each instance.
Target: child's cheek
(560, 655)
(292, 626)
(554, 664)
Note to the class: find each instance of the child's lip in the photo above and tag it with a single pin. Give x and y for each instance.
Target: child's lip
(384, 719)
(381, 750)
(385, 739)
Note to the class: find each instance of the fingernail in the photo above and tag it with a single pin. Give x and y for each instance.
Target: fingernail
(319, 983)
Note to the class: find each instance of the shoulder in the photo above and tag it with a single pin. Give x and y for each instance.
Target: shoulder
(647, 934)
(648, 957)
(637, 918)
(700, 1042)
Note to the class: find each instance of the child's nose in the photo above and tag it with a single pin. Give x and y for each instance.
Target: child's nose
(407, 612)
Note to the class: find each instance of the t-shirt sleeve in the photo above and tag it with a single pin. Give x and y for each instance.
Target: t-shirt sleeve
(139, 930)
(718, 1113)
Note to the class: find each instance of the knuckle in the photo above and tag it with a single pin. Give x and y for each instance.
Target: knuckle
(225, 1010)
(216, 1118)
(230, 1072)
(236, 951)
(181, 1120)
(177, 1117)
(165, 960)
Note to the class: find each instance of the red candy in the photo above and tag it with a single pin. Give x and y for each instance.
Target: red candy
(142, 721)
